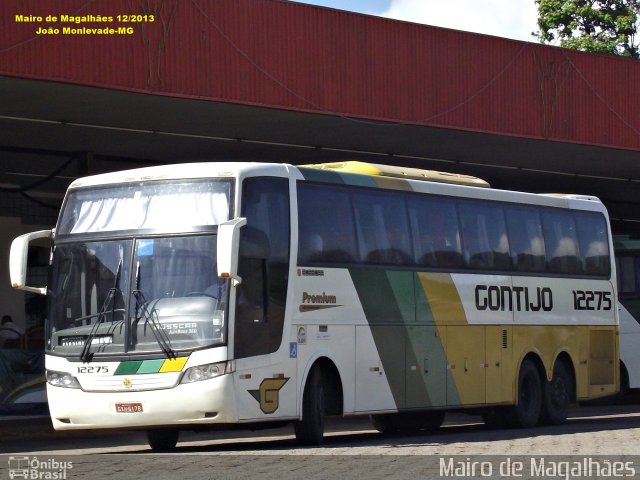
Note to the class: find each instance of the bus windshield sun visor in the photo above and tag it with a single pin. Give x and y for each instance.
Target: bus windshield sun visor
(177, 205)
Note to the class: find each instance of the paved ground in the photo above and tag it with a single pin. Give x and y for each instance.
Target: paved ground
(351, 450)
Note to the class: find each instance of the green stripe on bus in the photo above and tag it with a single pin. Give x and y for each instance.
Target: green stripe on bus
(135, 367)
(128, 368)
(330, 176)
(382, 312)
(403, 288)
(417, 394)
(151, 366)
(388, 300)
(318, 175)
(376, 296)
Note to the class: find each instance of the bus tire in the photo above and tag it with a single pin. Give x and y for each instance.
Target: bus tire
(526, 413)
(383, 423)
(432, 421)
(163, 439)
(407, 423)
(497, 417)
(556, 396)
(401, 422)
(310, 430)
(625, 388)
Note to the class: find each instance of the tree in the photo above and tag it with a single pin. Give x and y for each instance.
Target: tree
(603, 26)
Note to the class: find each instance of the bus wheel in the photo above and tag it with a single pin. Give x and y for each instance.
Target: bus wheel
(407, 422)
(431, 421)
(556, 396)
(383, 423)
(527, 411)
(163, 439)
(624, 380)
(310, 430)
(497, 417)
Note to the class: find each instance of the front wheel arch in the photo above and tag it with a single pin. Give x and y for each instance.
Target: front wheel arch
(322, 395)
(334, 396)
(309, 429)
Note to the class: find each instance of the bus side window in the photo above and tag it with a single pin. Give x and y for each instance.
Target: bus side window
(594, 243)
(252, 295)
(560, 238)
(525, 239)
(484, 236)
(325, 225)
(434, 222)
(382, 227)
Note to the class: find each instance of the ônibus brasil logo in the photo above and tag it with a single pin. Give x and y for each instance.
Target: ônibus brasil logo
(35, 469)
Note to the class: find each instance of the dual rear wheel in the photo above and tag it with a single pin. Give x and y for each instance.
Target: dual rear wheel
(539, 401)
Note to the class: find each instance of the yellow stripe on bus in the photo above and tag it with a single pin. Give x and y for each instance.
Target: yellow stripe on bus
(173, 364)
(443, 298)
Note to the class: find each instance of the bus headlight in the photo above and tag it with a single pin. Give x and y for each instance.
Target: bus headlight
(61, 379)
(203, 372)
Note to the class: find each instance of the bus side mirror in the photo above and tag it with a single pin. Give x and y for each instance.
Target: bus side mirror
(228, 246)
(18, 260)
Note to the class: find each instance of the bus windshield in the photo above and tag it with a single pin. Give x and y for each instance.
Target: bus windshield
(134, 269)
(165, 296)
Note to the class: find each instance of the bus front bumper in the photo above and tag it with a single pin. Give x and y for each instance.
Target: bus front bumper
(204, 402)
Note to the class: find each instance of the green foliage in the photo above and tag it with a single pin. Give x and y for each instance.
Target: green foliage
(603, 26)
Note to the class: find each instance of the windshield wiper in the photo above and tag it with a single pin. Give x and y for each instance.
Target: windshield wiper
(149, 319)
(86, 354)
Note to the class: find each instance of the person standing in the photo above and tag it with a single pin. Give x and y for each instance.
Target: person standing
(10, 333)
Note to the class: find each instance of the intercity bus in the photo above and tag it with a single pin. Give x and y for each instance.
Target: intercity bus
(627, 252)
(245, 293)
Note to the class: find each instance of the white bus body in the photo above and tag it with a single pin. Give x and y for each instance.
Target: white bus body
(243, 293)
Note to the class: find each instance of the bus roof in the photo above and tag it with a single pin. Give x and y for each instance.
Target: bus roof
(382, 176)
(183, 171)
(401, 172)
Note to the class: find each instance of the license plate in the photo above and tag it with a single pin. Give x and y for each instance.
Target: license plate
(128, 407)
